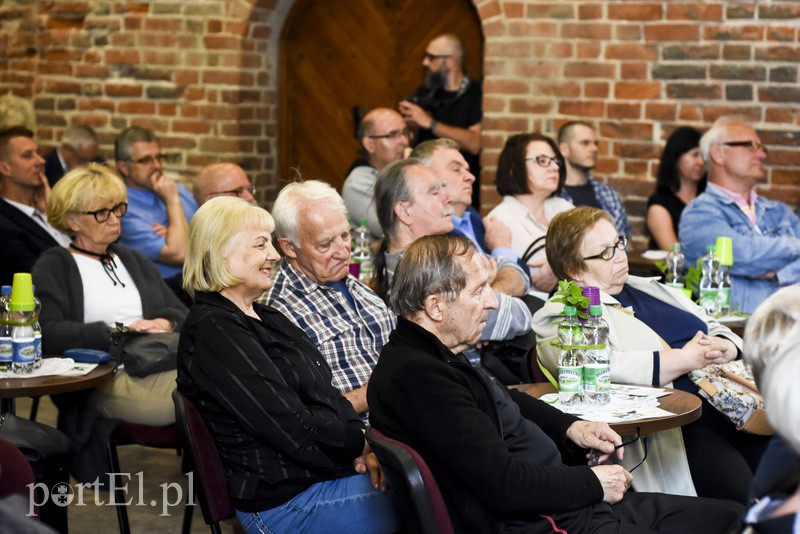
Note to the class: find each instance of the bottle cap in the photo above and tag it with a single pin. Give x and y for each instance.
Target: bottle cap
(724, 251)
(592, 293)
(22, 293)
(5, 290)
(362, 222)
(595, 310)
(570, 310)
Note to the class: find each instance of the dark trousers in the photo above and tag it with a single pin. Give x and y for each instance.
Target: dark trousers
(641, 513)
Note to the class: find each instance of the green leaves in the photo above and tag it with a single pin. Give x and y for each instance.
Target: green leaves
(569, 294)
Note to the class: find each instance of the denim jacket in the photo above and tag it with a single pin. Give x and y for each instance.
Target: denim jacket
(773, 245)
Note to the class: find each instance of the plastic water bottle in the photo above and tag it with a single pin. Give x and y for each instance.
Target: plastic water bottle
(21, 308)
(6, 347)
(708, 282)
(361, 253)
(597, 362)
(724, 289)
(37, 330)
(570, 360)
(674, 276)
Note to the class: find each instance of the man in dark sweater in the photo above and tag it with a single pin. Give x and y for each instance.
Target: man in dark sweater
(497, 453)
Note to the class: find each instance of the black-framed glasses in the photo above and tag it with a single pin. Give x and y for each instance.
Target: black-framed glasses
(394, 134)
(755, 146)
(102, 215)
(594, 454)
(608, 252)
(432, 57)
(149, 160)
(544, 161)
(238, 192)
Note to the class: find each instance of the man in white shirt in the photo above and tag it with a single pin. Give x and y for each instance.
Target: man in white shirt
(24, 193)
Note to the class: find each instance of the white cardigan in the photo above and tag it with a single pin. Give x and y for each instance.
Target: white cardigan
(632, 344)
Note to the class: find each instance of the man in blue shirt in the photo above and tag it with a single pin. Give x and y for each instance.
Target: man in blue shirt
(489, 235)
(765, 233)
(578, 144)
(159, 209)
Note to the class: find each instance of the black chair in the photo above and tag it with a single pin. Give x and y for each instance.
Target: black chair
(157, 437)
(212, 486)
(422, 507)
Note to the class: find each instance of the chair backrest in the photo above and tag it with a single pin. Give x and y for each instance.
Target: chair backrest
(419, 499)
(16, 474)
(209, 475)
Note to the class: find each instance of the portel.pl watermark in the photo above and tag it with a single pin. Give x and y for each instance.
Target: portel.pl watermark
(63, 494)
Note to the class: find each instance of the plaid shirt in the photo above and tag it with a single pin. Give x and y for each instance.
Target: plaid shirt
(350, 339)
(609, 199)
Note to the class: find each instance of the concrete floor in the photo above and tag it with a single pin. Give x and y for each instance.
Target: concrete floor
(162, 483)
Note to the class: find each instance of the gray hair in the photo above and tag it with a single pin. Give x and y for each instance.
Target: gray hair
(772, 348)
(391, 188)
(292, 199)
(128, 137)
(716, 133)
(79, 136)
(432, 265)
(424, 151)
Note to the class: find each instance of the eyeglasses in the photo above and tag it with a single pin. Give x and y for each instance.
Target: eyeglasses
(594, 454)
(544, 161)
(102, 215)
(394, 134)
(432, 57)
(608, 252)
(238, 192)
(755, 146)
(149, 160)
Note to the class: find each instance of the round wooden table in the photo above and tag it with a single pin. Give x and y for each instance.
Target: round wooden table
(11, 388)
(684, 407)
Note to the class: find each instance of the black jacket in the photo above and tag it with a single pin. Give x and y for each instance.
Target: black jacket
(23, 241)
(423, 394)
(265, 392)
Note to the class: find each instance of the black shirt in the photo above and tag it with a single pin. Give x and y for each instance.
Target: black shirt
(670, 202)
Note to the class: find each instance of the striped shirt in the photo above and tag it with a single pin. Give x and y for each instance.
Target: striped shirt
(350, 338)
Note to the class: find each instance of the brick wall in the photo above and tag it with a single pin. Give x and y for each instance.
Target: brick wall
(202, 74)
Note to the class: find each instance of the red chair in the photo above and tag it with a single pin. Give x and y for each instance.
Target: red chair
(422, 507)
(212, 485)
(16, 475)
(157, 437)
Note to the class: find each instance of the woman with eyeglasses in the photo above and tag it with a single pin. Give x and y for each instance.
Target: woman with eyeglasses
(530, 174)
(94, 283)
(656, 336)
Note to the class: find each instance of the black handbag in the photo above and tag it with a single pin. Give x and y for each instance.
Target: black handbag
(143, 353)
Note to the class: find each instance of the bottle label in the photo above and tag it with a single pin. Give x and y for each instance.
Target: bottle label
(676, 285)
(37, 345)
(723, 297)
(24, 350)
(570, 379)
(6, 350)
(597, 377)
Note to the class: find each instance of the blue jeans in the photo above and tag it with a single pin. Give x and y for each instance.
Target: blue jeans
(346, 505)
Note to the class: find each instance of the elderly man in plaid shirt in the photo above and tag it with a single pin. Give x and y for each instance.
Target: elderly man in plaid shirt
(347, 321)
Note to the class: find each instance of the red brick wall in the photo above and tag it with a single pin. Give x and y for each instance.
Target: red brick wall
(202, 74)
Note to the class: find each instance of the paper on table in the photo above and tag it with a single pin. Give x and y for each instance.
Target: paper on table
(55, 366)
(628, 403)
(654, 254)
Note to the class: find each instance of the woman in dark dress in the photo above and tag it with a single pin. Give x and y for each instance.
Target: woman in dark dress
(681, 177)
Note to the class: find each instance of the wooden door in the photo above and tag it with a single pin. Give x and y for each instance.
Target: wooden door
(339, 54)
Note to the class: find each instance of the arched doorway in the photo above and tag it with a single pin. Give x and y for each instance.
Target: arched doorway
(339, 54)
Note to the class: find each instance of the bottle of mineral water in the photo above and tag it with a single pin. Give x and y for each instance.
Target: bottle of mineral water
(597, 361)
(37, 330)
(361, 251)
(674, 275)
(570, 360)
(708, 282)
(6, 347)
(724, 290)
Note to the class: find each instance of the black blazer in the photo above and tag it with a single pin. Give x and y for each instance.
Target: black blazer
(52, 167)
(23, 240)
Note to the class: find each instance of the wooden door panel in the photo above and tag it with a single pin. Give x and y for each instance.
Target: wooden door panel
(337, 54)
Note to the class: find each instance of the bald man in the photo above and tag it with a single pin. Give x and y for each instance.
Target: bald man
(384, 139)
(448, 104)
(223, 179)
